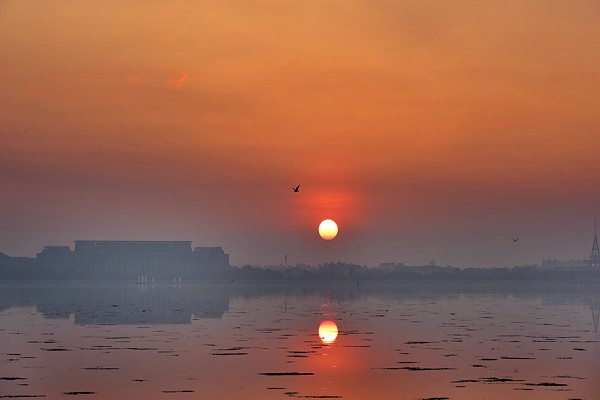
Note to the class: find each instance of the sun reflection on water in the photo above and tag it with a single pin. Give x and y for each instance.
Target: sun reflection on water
(328, 331)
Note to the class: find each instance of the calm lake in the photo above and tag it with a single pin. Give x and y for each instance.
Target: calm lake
(237, 341)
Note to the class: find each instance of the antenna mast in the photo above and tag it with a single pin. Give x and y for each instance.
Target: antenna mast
(595, 256)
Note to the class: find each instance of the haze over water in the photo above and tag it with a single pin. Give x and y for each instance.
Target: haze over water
(226, 341)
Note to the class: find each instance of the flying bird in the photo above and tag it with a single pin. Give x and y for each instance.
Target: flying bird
(515, 240)
(296, 189)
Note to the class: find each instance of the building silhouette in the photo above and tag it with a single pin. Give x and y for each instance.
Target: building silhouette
(141, 261)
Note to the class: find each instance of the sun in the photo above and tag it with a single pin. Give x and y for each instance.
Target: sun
(328, 229)
(328, 331)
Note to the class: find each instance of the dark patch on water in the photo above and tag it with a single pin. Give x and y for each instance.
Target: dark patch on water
(11, 378)
(56, 349)
(517, 358)
(568, 377)
(428, 368)
(286, 373)
(418, 368)
(232, 354)
(136, 348)
(492, 379)
(546, 384)
(178, 391)
(21, 396)
(77, 393)
(418, 342)
(101, 368)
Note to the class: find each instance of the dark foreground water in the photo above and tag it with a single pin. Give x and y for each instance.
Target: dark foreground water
(263, 342)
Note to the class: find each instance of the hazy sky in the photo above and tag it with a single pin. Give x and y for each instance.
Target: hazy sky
(426, 129)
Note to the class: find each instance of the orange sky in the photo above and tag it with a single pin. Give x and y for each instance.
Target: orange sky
(426, 129)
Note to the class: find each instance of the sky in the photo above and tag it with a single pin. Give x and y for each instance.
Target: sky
(425, 129)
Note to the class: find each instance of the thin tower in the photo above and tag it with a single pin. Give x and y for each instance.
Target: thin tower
(595, 256)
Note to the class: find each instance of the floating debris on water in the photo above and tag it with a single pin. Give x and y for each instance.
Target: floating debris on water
(435, 398)
(56, 349)
(492, 379)
(286, 373)
(418, 368)
(517, 358)
(77, 393)
(178, 391)
(418, 342)
(546, 384)
(568, 377)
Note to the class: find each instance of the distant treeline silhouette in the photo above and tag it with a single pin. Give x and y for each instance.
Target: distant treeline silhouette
(348, 272)
(19, 269)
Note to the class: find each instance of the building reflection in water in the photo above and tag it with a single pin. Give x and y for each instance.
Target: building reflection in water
(120, 304)
(595, 306)
(328, 331)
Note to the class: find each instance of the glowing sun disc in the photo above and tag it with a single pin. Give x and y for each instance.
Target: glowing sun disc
(328, 229)
(328, 331)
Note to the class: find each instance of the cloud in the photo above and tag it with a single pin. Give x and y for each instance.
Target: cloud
(178, 81)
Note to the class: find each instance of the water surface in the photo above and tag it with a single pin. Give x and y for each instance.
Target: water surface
(225, 341)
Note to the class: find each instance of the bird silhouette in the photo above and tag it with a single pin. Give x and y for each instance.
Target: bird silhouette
(515, 240)
(296, 189)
